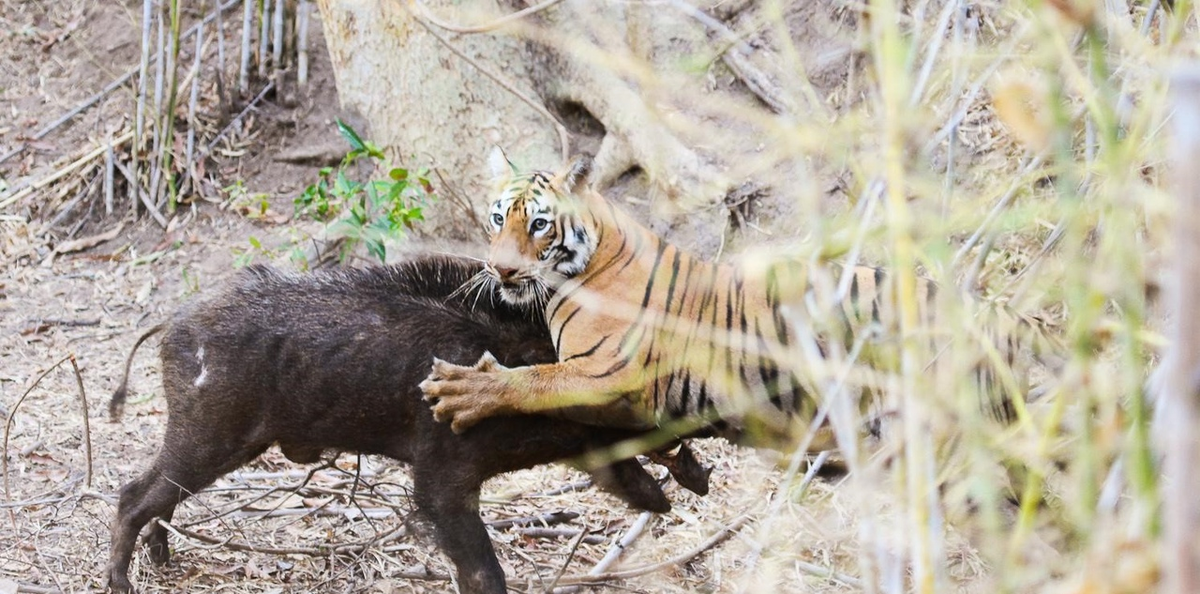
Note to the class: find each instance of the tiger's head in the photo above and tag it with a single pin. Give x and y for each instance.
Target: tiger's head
(539, 237)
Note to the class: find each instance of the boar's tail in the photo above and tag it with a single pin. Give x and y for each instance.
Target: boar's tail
(116, 406)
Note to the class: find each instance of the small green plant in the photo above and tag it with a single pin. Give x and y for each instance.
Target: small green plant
(245, 257)
(372, 212)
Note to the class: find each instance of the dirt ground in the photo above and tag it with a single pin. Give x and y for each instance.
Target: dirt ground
(92, 304)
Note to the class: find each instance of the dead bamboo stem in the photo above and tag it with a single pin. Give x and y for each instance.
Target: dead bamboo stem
(140, 121)
(247, 27)
(264, 37)
(277, 39)
(168, 116)
(193, 99)
(1182, 397)
(109, 157)
(159, 74)
(302, 18)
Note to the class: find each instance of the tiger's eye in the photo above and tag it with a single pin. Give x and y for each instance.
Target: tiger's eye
(538, 224)
(498, 219)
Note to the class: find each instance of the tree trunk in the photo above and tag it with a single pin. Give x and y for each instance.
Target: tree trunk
(643, 87)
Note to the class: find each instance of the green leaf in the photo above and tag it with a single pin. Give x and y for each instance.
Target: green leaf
(398, 174)
(254, 242)
(352, 137)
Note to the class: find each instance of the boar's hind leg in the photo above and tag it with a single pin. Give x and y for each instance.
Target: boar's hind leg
(450, 502)
(628, 480)
(182, 468)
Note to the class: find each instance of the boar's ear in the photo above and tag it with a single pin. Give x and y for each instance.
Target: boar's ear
(500, 167)
(574, 175)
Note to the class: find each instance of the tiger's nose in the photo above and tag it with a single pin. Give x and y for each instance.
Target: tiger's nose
(505, 272)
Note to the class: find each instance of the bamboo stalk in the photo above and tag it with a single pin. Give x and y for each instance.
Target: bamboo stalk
(108, 177)
(140, 119)
(220, 42)
(168, 116)
(889, 53)
(277, 40)
(264, 37)
(244, 65)
(159, 75)
(302, 18)
(1182, 512)
(192, 100)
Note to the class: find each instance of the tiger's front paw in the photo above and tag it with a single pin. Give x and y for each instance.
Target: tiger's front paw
(465, 395)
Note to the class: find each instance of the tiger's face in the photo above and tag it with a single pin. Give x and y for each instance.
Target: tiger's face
(538, 237)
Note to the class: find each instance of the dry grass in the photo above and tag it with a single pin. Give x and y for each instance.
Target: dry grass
(1027, 165)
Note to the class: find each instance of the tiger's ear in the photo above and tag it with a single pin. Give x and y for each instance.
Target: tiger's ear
(575, 174)
(501, 168)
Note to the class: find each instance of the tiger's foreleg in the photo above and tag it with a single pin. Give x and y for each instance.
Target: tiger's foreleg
(466, 395)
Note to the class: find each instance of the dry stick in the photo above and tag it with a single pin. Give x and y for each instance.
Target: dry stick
(302, 18)
(821, 572)
(931, 54)
(8, 425)
(1182, 395)
(244, 64)
(567, 563)
(240, 115)
(142, 194)
(558, 517)
(264, 36)
(713, 541)
(563, 138)
(319, 551)
(23, 587)
(737, 59)
(87, 427)
(61, 173)
(626, 541)
(108, 176)
(538, 532)
(428, 15)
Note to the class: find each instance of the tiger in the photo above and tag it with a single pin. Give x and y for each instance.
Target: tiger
(647, 334)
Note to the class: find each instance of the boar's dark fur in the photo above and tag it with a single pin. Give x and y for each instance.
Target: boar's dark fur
(331, 360)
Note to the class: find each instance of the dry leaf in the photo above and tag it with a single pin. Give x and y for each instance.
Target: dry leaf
(1017, 105)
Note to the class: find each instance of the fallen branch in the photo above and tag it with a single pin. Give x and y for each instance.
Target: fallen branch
(615, 551)
(318, 551)
(818, 571)
(538, 532)
(716, 539)
(84, 243)
(39, 326)
(558, 517)
(737, 58)
(23, 587)
(61, 173)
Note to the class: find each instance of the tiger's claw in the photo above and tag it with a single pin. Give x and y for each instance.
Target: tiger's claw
(464, 395)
